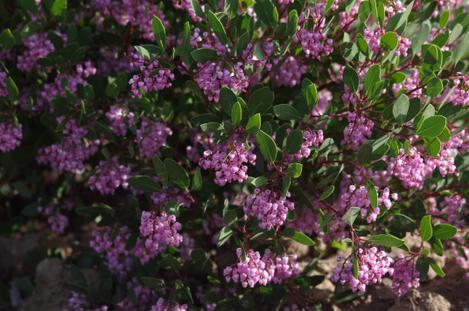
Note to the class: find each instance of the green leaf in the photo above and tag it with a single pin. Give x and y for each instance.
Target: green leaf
(302, 238)
(444, 231)
(236, 113)
(292, 23)
(147, 50)
(431, 127)
(400, 19)
(266, 145)
(286, 112)
(197, 180)
(294, 170)
(227, 99)
(437, 269)
(224, 235)
(400, 108)
(160, 169)
(351, 78)
(13, 91)
(434, 87)
(327, 193)
(372, 194)
(217, 27)
(203, 55)
(267, 12)
(398, 77)
(259, 181)
(159, 31)
(260, 100)
(310, 92)
(197, 8)
(177, 174)
(444, 16)
(351, 214)
(151, 282)
(7, 40)
(254, 123)
(372, 81)
(294, 141)
(433, 146)
(58, 7)
(445, 135)
(462, 49)
(389, 41)
(144, 183)
(425, 228)
(362, 45)
(387, 240)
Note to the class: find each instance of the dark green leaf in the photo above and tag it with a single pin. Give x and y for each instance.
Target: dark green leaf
(400, 108)
(217, 27)
(437, 269)
(426, 231)
(144, 183)
(176, 173)
(58, 7)
(431, 127)
(350, 216)
(389, 41)
(260, 100)
(266, 145)
(236, 113)
(7, 40)
(159, 31)
(294, 141)
(327, 193)
(351, 78)
(254, 123)
(203, 55)
(286, 112)
(445, 231)
(294, 170)
(372, 194)
(387, 240)
(13, 91)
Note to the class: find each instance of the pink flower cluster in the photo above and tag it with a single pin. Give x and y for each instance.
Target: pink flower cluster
(229, 160)
(310, 139)
(56, 219)
(373, 38)
(358, 131)
(458, 95)
(150, 137)
(186, 5)
(120, 119)
(58, 87)
(118, 257)
(207, 40)
(358, 197)
(254, 269)
(78, 302)
(109, 176)
(157, 233)
(141, 299)
(69, 155)
(405, 276)
(37, 46)
(324, 99)
(290, 72)
(162, 305)
(451, 208)
(269, 207)
(373, 265)
(10, 136)
(410, 85)
(315, 43)
(152, 77)
(212, 76)
(3, 84)
(137, 13)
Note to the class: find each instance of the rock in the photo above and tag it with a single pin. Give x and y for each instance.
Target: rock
(421, 301)
(50, 293)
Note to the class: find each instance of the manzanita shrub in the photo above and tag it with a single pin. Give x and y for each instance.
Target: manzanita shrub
(185, 144)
